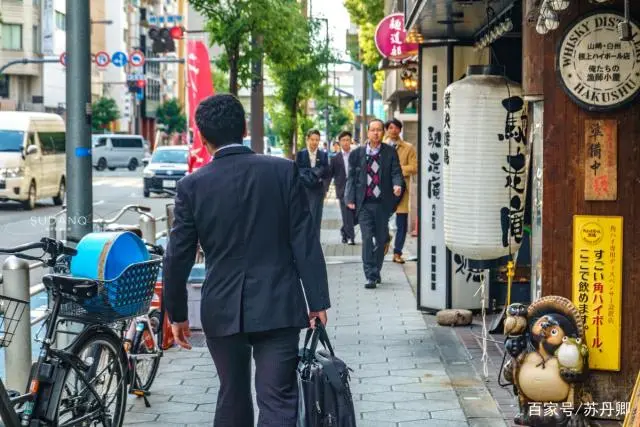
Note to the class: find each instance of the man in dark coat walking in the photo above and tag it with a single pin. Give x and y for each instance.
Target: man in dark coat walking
(251, 216)
(314, 167)
(338, 170)
(374, 188)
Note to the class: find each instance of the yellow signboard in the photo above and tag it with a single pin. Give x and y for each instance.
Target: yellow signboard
(597, 286)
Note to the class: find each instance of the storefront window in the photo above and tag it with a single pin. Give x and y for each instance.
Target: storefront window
(536, 198)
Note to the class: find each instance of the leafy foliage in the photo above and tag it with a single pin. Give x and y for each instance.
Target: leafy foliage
(231, 23)
(170, 115)
(103, 112)
(340, 118)
(298, 71)
(220, 80)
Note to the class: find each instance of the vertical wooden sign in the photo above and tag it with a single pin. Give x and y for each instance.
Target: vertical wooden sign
(601, 160)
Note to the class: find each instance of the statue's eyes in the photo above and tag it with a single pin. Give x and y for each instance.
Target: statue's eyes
(554, 332)
(579, 340)
(564, 339)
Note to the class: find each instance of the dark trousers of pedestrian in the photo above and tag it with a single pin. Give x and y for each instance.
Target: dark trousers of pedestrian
(276, 357)
(374, 227)
(348, 219)
(402, 223)
(316, 203)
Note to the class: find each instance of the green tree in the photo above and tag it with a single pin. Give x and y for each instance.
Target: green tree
(220, 80)
(231, 23)
(170, 115)
(103, 112)
(340, 117)
(366, 14)
(298, 72)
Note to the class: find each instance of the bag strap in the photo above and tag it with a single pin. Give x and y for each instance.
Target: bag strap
(312, 337)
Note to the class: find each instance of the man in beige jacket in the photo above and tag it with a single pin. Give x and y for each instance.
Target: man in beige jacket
(409, 164)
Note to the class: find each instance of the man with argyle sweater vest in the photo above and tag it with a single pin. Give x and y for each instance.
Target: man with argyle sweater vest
(374, 189)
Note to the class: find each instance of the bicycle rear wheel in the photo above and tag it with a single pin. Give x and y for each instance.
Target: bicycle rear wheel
(147, 367)
(106, 372)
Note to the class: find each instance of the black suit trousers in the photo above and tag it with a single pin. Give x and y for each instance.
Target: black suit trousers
(316, 204)
(276, 356)
(348, 220)
(374, 227)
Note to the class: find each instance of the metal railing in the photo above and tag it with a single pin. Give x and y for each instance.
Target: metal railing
(15, 282)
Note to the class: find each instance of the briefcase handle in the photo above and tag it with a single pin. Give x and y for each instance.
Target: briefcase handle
(319, 334)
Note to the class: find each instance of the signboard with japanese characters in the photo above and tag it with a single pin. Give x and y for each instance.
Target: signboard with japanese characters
(391, 38)
(601, 160)
(597, 286)
(599, 71)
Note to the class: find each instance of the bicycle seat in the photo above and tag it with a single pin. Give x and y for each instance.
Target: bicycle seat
(71, 286)
(122, 227)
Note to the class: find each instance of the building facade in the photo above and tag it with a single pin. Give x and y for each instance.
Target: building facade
(21, 85)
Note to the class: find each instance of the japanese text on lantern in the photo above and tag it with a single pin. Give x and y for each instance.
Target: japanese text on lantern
(447, 125)
(512, 216)
(601, 167)
(597, 286)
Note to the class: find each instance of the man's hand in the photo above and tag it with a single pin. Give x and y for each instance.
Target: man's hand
(351, 206)
(397, 190)
(181, 332)
(313, 315)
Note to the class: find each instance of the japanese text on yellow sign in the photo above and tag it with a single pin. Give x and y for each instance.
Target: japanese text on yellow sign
(597, 286)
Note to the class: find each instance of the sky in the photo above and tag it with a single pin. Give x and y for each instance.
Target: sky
(338, 18)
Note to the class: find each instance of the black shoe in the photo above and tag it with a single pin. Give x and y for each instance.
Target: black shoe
(371, 284)
(344, 240)
(378, 281)
(352, 242)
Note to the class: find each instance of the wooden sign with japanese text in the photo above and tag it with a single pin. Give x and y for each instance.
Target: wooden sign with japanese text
(597, 286)
(601, 160)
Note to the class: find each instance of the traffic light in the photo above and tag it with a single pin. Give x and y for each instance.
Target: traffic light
(163, 38)
(136, 86)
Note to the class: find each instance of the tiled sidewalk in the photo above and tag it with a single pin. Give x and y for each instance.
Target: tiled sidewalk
(407, 370)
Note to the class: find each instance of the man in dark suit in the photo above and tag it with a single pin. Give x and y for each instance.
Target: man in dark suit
(374, 188)
(251, 216)
(338, 170)
(314, 167)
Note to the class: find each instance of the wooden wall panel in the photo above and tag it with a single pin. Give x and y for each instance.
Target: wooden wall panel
(564, 156)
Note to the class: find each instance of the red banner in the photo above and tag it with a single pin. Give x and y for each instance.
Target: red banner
(200, 87)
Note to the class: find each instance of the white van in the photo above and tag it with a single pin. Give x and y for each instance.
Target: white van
(32, 157)
(117, 151)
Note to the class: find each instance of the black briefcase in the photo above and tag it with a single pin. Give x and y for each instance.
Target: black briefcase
(323, 380)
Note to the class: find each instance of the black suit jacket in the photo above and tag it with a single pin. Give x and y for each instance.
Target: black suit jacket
(338, 173)
(390, 176)
(251, 217)
(320, 171)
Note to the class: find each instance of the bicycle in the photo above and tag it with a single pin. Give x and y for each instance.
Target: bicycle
(144, 334)
(63, 385)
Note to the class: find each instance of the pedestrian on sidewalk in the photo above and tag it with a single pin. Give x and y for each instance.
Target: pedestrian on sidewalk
(374, 187)
(258, 247)
(409, 164)
(314, 167)
(338, 170)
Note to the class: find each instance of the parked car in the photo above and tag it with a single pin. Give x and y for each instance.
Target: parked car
(117, 151)
(32, 157)
(166, 167)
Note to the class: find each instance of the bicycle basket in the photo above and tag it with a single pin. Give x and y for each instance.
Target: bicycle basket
(128, 295)
(11, 311)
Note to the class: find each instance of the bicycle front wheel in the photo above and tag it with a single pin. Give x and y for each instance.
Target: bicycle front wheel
(148, 360)
(95, 395)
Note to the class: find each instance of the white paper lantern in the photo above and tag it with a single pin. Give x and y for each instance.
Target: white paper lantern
(486, 162)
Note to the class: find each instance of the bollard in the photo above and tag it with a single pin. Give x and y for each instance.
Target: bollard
(148, 229)
(17, 357)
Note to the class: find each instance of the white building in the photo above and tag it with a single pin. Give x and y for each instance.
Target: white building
(114, 78)
(54, 43)
(21, 84)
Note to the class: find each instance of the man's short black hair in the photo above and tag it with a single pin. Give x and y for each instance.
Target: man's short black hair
(343, 134)
(221, 120)
(395, 122)
(375, 121)
(313, 132)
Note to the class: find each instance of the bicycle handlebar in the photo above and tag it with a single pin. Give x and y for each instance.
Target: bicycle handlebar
(133, 208)
(53, 248)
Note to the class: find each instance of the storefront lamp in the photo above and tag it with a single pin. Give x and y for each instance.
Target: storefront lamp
(559, 5)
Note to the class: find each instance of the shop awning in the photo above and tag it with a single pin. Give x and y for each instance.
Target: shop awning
(452, 20)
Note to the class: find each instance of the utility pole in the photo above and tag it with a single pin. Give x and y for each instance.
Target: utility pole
(257, 96)
(133, 110)
(363, 106)
(78, 142)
